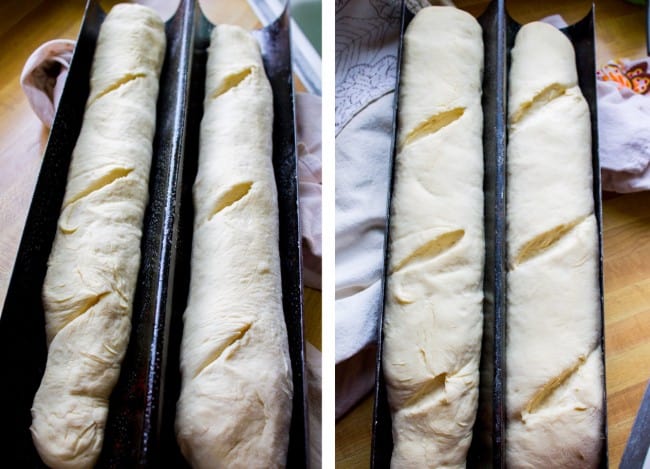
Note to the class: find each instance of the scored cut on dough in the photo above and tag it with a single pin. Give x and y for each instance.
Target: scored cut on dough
(92, 269)
(433, 316)
(554, 360)
(236, 394)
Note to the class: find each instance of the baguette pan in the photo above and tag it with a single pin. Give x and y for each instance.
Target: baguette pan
(236, 393)
(92, 269)
(433, 316)
(554, 392)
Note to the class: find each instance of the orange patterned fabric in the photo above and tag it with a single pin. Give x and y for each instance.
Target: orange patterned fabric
(634, 76)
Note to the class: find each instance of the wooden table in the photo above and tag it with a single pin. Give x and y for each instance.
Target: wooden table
(24, 25)
(620, 32)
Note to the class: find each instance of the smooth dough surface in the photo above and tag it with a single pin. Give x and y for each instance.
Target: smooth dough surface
(92, 269)
(554, 360)
(433, 317)
(236, 396)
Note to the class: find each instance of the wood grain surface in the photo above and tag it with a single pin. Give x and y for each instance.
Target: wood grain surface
(620, 30)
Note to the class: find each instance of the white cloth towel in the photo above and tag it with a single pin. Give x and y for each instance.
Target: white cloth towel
(624, 134)
(366, 59)
(308, 136)
(366, 54)
(362, 174)
(44, 75)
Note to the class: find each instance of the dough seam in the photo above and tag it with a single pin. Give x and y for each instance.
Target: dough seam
(233, 81)
(431, 249)
(230, 197)
(106, 180)
(541, 99)
(542, 242)
(551, 386)
(128, 78)
(433, 124)
(236, 337)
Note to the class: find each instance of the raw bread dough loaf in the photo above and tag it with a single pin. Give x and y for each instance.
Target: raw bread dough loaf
(92, 269)
(554, 361)
(236, 396)
(433, 317)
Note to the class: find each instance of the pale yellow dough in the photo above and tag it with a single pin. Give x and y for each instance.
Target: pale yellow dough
(235, 405)
(92, 269)
(433, 317)
(554, 360)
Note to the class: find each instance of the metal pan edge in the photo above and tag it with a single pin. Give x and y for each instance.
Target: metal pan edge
(382, 437)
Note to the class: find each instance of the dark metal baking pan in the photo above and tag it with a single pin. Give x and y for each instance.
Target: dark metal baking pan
(487, 449)
(638, 443)
(132, 427)
(274, 40)
(382, 437)
(488, 443)
(135, 415)
(581, 35)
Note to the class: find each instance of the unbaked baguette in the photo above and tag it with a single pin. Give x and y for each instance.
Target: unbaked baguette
(554, 362)
(92, 269)
(433, 316)
(236, 396)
